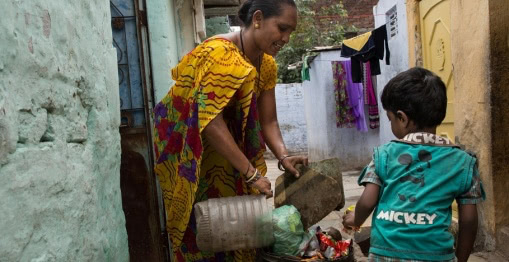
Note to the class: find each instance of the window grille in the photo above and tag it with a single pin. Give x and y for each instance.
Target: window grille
(392, 22)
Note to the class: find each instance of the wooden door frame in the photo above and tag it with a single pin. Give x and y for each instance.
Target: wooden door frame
(148, 95)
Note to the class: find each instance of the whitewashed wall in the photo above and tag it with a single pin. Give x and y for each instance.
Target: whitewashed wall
(399, 56)
(291, 117)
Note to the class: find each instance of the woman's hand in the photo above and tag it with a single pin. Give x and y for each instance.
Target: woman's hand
(263, 185)
(288, 163)
(272, 134)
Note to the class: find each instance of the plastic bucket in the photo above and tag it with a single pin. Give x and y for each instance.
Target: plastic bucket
(233, 223)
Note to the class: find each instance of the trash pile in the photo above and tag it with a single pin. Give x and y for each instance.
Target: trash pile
(322, 246)
(314, 245)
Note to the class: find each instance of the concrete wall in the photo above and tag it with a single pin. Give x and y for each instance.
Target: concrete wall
(325, 140)
(291, 117)
(472, 101)
(59, 140)
(172, 35)
(164, 44)
(398, 45)
(186, 26)
(499, 77)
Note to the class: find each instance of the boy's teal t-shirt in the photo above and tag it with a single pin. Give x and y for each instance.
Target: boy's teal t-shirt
(419, 182)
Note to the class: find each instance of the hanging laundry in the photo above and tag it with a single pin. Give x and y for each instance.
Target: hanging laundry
(355, 96)
(305, 70)
(367, 47)
(344, 112)
(305, 67)
(371, 98)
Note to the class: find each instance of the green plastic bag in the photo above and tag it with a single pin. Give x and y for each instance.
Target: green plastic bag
(288, 230)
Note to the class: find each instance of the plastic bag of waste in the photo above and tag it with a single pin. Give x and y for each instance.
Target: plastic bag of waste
(288, 230)
(310, 246)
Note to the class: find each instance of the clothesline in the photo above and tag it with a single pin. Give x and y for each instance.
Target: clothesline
(330, 60)
(339, 16)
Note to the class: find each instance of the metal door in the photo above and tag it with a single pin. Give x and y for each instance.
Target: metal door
(141, 200)
(435, 20)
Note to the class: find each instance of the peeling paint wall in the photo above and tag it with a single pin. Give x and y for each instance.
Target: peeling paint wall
(499, 77)
(59, 139)
(415, 56)
(472, 102)
(481, 121)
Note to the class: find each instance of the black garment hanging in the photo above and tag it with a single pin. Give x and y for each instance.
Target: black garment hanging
(372, 51)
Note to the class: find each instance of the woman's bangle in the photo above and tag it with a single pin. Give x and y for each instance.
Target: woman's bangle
(248, 168)
(280, 163)
(252, 179)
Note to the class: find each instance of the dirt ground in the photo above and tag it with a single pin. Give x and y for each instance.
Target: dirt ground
(352, 194)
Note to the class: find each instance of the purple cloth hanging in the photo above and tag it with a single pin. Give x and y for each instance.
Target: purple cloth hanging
(355, 98)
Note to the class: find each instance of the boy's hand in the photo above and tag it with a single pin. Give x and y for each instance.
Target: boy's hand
(467, 223)
(364, 207)
(349, 221)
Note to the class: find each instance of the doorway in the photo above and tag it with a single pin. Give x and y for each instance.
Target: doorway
(141, 198)
(435, 21)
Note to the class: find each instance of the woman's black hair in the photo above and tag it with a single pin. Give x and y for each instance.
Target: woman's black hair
(269, 8)
(419, 93)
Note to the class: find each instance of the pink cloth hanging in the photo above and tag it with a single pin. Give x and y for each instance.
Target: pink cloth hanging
(373, 114)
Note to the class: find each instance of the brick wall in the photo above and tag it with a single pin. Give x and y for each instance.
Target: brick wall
(360, 13)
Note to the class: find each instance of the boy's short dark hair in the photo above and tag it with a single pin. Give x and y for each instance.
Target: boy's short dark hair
(419, 93)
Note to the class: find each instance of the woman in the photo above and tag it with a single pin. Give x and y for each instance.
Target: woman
(212, 126)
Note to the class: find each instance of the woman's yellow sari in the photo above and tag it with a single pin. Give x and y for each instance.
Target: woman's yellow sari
(213, 78)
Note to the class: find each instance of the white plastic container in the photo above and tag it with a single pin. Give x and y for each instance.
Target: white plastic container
(233, 223)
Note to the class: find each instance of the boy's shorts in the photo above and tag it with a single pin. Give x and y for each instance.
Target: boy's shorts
(377, 258)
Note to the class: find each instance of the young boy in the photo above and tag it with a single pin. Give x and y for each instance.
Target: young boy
(412, 182)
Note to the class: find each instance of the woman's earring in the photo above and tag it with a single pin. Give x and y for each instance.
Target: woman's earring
(257, 26)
